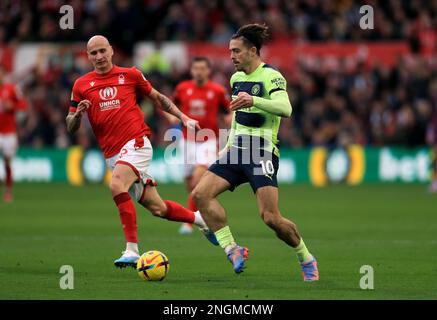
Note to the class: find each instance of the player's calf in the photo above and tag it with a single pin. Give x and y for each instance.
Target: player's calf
(173, 211)
(271, 219)
(287, 231)
(128, 216)
(158, 209)
(284, 228)
(212, 211)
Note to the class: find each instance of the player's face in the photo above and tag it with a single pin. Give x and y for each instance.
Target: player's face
(200, 72)
(100, 56)
(240, 54)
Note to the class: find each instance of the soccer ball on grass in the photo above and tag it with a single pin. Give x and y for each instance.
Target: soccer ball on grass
(153, 266)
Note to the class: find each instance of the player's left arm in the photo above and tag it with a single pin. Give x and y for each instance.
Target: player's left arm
(177, 101)
(144, 86)
(278, 104)
(168, 106)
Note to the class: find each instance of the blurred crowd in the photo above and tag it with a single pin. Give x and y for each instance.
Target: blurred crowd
(366, 105)
(360, 104)
(215, 21)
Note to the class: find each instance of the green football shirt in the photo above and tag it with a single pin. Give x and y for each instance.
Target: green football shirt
(253, 121)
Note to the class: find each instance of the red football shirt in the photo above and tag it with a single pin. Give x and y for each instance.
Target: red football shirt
(201, 103)
(9, 94)
(114, 114)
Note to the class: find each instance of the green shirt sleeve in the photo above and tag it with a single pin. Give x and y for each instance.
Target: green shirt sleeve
(279, 103)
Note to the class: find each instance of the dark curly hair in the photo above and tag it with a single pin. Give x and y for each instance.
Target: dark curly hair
(253, 35)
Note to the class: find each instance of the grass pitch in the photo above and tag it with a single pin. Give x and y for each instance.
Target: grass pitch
(392, 228)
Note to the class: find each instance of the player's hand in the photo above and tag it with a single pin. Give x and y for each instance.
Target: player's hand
(82, 106)
(190, 123)
(243, 100)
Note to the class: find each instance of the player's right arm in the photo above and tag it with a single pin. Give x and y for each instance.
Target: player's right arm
(78, 106)
(74, 118)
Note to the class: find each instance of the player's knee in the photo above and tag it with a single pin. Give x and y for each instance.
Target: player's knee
(270, 218)
(116, 186)
(198, 196)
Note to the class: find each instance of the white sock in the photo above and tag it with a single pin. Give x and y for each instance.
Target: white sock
(132, 247)
(198, 220)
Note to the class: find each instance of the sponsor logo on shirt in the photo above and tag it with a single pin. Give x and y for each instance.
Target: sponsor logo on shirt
(278, 82)
(108, 94)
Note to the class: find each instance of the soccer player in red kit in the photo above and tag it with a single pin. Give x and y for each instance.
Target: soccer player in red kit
(201, 99)
(11, 101)
(108, 96)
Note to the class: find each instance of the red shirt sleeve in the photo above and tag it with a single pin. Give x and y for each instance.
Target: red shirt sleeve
(76, 97)
(143, 85)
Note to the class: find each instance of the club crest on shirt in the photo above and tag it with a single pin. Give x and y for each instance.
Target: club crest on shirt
(256, 89)
(121, 79)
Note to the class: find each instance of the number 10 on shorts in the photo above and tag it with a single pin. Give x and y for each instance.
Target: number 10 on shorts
(267, 167)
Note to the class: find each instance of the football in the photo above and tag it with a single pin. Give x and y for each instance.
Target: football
(153, 266)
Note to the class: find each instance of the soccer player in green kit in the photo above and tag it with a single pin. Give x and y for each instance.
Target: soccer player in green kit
(251, 155)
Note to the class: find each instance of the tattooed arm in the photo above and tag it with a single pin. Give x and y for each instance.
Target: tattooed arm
(168, 106)
(73, 118)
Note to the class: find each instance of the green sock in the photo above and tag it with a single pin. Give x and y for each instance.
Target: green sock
(302, 252)
(224, 237)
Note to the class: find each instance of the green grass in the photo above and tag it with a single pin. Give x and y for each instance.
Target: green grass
(393, 228)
